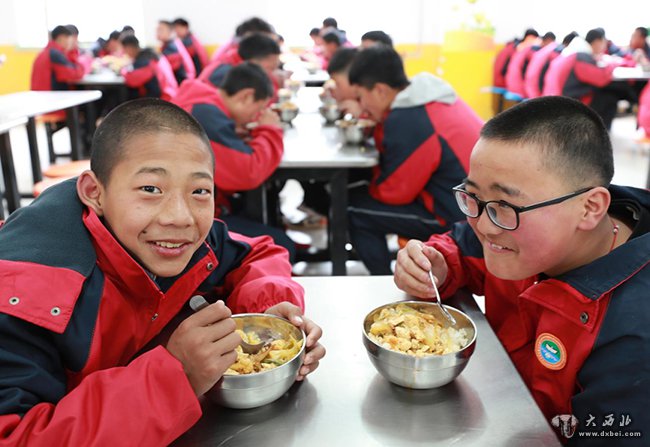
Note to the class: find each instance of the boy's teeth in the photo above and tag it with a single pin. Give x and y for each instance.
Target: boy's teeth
(498, 246)
(168, 244)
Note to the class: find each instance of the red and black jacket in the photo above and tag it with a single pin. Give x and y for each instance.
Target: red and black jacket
(577, 76)
(240, 165)
(424, 144)
(599, 313)
(52, 70)
(77, 311)
(501, 63)
(196, 51)
(173, 55)
(146, 77)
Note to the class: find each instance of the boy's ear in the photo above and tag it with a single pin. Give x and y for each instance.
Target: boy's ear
(595, 207)
(246, 95)
(91, 191)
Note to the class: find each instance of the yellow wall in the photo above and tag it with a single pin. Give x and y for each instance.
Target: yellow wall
(16, 72)
(467, 70)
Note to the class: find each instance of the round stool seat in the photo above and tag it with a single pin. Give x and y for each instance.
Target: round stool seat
(70, 169)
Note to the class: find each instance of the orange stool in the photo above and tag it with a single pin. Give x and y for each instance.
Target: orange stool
(68, 170)
(46, 183)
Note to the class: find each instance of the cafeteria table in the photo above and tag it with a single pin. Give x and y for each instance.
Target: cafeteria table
(7, 162)
(347, 402)
(29, 105)
(314, 151)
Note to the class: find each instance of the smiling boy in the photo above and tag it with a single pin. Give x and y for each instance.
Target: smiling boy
(94, 270)
(560, 256)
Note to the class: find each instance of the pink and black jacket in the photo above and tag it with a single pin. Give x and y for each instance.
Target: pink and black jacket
(425, 142)
(78, 314)
(597, 315)
(196, 51)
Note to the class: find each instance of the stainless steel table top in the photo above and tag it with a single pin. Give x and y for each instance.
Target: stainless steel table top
(346, 402)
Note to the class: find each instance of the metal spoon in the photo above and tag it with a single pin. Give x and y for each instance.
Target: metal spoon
(197, 302)
(449, 317)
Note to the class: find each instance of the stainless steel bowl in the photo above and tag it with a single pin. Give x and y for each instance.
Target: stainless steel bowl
(287, 115)
(330, 112)
(426, 372)
(355, 131)
(255, 390)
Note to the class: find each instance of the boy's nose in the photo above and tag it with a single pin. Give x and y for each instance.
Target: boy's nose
(485, 225)
(176, 211)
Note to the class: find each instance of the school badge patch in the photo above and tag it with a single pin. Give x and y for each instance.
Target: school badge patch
(550, 351)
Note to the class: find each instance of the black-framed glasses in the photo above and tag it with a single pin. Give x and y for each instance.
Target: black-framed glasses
(502, 214)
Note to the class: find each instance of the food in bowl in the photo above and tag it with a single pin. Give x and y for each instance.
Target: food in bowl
(287, 110)
(355, 130)
(275, 354)
(284, 94)
(404, 329)
(330, 112)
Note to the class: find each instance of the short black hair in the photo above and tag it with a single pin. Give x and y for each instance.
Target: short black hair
(127, 29)
(378, 36)
(115, 35)
(330, 21)
(378, 64)
(254, 25)
(342, 60)
(572, 138)
(595, 34)
(138, 117)
(331, 36)
(531, 32)
(167, 23)
(569, 37)
(73, 29)
(257, 46)
(182, 22)
(248, 75)
(549, 36)
(643, 31)
(130, 41)
(60, 31)
(314, 32)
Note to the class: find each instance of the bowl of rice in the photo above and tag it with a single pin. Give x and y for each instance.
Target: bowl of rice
(411, 343)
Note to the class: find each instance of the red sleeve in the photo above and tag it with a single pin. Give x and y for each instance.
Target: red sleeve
(64, 70)
(592, 74)
(263, 278)
(148, 402)
(140, 76)
(244, 166)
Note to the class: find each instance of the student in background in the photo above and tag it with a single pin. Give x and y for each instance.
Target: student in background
(175, 52)
(52, 70)
(539, 63)
(502, 58)
(344, 93)
(191, 43)
(560, 255)
(331, 43)
(256, 47)
(639, 46)
(376, 37)
(249, 26)
(99, 346)
(109, 47)
(242, 163)
(424, 136)
(148, 77)
(576, 74)
(519, 63)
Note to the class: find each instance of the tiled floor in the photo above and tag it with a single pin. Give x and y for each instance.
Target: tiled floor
(631, 161)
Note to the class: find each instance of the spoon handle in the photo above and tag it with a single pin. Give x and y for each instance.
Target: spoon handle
(449, 316)
(197, 302)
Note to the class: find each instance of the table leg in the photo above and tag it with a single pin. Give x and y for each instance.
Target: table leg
(33, 150)
(9, 173)
(337, 222)
(73, 126)
(255, 207)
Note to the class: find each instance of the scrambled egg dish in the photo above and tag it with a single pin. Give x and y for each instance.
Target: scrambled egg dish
(404, 329)
(276, 353)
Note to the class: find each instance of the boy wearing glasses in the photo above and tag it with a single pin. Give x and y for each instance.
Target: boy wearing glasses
(560, 256)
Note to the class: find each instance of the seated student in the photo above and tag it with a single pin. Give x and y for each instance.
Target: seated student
(331, 43)
(375, 37)
(560, 256)
(502, 58)
(519, 61)
(74, 54)
(539, 63)
(242, 164)
(175, 52)
(52, 70)
(191, 43)
(101, 268)
(344, 93)
(148, 77)
(330, 23)
(257, 48)
(110, 47)
(424, 135)
(576, 74)
(253, 25)
(639, 46)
